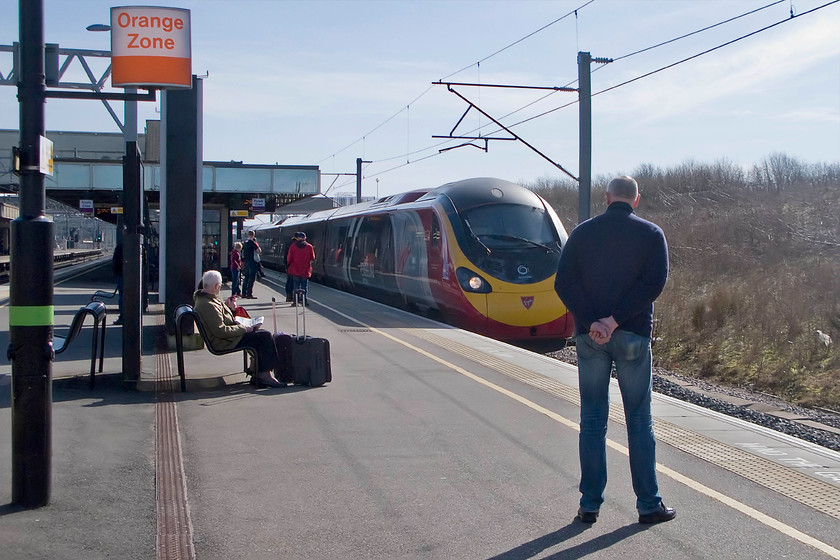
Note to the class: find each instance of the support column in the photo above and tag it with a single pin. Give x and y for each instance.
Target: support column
(31, 308)
(132, 238)
(181, 197)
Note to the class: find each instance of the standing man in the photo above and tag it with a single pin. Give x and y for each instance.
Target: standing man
(249, 249)
(612, 269)
(299, 261)
(289, 287)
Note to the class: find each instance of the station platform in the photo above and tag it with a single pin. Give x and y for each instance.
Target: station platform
(429, 443)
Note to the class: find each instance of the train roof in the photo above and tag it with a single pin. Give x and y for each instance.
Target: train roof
(464, 194)
(483, 190)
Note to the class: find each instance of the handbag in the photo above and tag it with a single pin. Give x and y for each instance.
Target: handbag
(256, 257)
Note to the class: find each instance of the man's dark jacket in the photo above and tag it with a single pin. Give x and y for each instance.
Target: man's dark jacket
(613, 264)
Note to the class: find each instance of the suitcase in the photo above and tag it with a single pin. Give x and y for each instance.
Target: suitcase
(305, 359)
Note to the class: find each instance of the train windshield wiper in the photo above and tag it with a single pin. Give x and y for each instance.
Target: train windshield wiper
(475, 237)
(515, 238)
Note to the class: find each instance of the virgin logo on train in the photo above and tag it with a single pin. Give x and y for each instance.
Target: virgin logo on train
(522, 270)
(527, 301)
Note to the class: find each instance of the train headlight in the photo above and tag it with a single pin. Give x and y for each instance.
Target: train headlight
(472, 282)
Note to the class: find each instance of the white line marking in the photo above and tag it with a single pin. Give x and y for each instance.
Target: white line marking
(674, 475)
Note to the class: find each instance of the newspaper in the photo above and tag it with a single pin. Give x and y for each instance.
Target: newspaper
(250, 322)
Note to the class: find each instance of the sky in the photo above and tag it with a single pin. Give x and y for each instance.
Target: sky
(323, 82)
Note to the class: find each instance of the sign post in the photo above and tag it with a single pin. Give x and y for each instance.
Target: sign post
(151, 50)
(31, 308)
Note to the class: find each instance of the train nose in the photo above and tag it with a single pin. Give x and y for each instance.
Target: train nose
(525, 308)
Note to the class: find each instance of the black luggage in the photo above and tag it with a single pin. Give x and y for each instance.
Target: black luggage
(305, 359)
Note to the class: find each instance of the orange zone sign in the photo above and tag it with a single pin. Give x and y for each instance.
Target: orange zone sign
(150, 47)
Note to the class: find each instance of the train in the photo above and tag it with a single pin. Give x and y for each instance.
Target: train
(479, 254)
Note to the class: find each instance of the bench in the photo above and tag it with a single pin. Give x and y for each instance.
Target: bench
(99, 313)
(104, 294)
(184, 312)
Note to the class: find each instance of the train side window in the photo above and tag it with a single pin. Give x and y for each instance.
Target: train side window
(435, 233)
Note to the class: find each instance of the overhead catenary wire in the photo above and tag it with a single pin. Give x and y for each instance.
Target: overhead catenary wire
(392, 117)
(546, 26)
(708, 27)
(616, 86)
(539, 115)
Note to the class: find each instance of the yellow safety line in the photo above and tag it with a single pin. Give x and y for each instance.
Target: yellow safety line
(691, 483)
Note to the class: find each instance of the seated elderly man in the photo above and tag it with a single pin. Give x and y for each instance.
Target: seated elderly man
(225, 333)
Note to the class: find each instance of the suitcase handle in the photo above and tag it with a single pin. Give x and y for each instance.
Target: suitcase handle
(300, 312)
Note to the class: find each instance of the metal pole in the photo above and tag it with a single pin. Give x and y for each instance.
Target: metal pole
(585, 123)
(31, 283)
(359, 163)
(132, 289)
(132, 317)
(358, 180)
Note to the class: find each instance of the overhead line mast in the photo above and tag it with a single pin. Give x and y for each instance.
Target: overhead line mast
(585, 127)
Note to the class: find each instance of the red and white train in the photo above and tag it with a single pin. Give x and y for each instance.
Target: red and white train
(479, 254)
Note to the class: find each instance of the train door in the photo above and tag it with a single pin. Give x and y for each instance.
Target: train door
(371, 265)
(436, 268)
(412, 261)
(335, 252)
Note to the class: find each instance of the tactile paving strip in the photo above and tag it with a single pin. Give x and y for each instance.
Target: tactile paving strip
(786, 481)
(174, 528)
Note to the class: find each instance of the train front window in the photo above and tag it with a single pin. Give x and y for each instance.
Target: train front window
(514, 243)
(508, 224)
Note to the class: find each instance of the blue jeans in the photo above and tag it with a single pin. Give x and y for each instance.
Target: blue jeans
(631, 355)
(300, 283)
(234, 282)
(120, 292)
(250, 278)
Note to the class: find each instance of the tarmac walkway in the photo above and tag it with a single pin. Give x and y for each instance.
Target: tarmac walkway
(430, 443)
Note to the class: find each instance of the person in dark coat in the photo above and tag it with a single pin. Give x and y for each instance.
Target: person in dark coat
(249, 249)
(612, 269)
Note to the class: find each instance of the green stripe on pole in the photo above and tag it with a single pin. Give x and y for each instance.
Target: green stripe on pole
(31, 315)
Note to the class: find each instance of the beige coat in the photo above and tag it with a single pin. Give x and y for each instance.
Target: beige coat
(222, 329)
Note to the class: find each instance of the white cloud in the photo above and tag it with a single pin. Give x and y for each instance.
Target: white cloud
(750, 69)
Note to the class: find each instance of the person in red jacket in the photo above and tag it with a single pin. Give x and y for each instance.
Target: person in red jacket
(299, 264)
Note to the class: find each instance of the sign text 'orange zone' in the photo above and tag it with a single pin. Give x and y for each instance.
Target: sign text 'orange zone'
(150, 47)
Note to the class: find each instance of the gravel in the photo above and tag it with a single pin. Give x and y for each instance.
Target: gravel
(665, 382)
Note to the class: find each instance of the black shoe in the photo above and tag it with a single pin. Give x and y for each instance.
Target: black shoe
(267, 379)
(587, 516)
(289, 299)
(659, 516)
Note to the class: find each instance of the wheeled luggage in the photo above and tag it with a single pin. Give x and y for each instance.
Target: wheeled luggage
(305, 360)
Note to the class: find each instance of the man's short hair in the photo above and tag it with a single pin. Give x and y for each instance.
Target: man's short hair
(624, 187)
(211, 278)
(251, 233)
